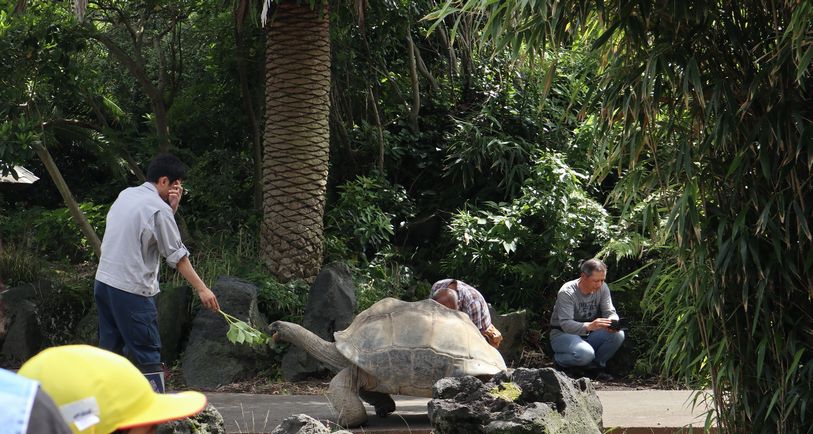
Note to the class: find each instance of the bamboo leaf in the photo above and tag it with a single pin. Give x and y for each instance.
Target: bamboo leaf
(804, 64)
(549, 80)
(763, 344)
(601, 40)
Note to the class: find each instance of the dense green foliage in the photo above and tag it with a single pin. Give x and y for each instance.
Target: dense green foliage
(671, 138)
(532, 241)
(470, 165)
(707, 115)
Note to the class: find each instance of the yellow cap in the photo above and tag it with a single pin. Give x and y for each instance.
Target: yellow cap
(99, 392)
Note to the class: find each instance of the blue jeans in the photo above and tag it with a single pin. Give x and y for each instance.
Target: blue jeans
(574, 350)
(128, 325)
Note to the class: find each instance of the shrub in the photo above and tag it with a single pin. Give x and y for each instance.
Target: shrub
(54, 233)
(514, 249)
(18, 265)
(384, 276)
(284, 301)
(364, 218)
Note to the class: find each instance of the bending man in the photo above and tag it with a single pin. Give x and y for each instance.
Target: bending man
(458, 295)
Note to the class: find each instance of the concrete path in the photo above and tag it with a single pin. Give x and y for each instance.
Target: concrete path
(626, 411)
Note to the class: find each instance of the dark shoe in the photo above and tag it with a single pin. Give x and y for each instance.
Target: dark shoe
(604, 376)
(570, 371)
(599, 374)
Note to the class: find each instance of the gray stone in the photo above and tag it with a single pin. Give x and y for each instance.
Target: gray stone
(58, 310)
(87, 331)
(301, 424)
(536, 418)
(331, 308)
(513, 326)
(208, 421)
(210, 360)
(544, 401)
(304, 424)
(23, 337)
(174, 320)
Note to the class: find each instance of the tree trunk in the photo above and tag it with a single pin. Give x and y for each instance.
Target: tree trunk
(249, 105)
(70, 202)
(378, 126)
(296, 151)
(137, 67)
(415, 108)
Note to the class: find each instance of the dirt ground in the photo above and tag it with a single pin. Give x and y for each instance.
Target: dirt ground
(318, 386)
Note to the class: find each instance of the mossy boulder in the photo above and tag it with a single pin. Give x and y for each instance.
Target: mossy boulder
(521, 401)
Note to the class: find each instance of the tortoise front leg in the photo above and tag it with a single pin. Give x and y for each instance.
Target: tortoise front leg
(383, 403)
(343, 396)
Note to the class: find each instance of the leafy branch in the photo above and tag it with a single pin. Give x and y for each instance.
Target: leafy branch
(241, 332)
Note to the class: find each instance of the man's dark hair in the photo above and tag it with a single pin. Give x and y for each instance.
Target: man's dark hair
(166, 165)
(589, 266)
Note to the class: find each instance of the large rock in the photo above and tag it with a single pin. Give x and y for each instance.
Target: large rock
(304, 424)
(532, 401)
(23, 338)
(331, 308)
(21, 333)
(208, 421)
(174, 319)
(87, 331)
(210, 360)
(54, 317)
(513, 326)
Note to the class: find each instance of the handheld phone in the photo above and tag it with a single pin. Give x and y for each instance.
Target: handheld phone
(618, 324)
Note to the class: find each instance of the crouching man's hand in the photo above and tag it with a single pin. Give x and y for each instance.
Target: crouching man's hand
(493, 336)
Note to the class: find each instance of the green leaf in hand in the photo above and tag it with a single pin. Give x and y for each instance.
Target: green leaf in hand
(241, 332)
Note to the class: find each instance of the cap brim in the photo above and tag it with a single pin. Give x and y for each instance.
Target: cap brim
(167, 407)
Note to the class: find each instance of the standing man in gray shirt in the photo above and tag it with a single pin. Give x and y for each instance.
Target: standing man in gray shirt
(580, 324)
(141, 229)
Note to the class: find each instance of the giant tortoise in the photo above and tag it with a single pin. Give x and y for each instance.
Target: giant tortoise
(395, 347)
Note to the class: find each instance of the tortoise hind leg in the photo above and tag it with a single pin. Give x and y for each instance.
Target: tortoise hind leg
(383, 403)
(342, 394)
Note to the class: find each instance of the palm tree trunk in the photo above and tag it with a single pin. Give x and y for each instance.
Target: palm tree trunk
(295, 155)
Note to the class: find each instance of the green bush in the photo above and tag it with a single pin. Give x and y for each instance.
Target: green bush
(54, 233)
(384, 276)
(364, 218)
(219, 193)
(514, 250)
(284, 301)
(18, 265)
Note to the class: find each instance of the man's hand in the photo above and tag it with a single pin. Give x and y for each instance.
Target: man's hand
(208, 299)
(493, 336)
(599, 323)
(175, 194)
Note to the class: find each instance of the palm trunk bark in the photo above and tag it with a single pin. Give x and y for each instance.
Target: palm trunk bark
(296, 151)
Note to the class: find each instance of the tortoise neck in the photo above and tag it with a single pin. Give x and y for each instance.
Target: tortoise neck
(323, 350)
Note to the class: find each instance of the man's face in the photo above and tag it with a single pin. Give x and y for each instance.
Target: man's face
(164, 187)
(592, 283)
